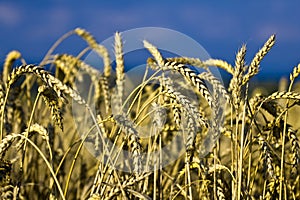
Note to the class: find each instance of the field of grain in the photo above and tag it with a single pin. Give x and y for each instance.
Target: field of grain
(237, 143)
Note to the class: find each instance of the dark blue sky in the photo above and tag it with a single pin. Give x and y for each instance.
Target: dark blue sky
(221, 27)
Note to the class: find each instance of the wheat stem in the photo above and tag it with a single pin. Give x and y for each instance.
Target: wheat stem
(47, 163)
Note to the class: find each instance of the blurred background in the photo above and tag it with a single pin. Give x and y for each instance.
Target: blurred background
(221, 27)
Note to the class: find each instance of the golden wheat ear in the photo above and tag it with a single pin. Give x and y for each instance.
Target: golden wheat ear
(6, 143)
(188, 61)
(295, 73)
(99, 49)
(133, 140)
(10, 59)
(120, 76)
(51, 100)
(220, 64)
(155, 53)
(235, 85)
(60, 88)
(254, 65)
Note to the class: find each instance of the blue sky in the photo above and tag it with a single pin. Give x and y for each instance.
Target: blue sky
(221, 27)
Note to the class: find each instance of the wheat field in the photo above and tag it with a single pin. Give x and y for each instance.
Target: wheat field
(237, 143)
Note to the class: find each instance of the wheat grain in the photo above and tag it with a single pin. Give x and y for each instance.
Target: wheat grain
(6, 192)
(158, 116)
(104, 86)
(191, 132)
(220, 191)
(51, 100)
(254, 65)
(236, 81)
(6, 143)
(100, 49)
(155, 53)
(188, 107)
(133, 141)
(71, 65)
(217, 85)
(266, 156)
(283, 95)
(188, 61)
(176, 113)
(192, 77)
(86, 36)
(10, 59)
(221, 64)
(67, 65)
(35, 129)
(271, 187)
(50, 80)
(295, 73)
(295, 148)
(119, 71)
(271, 107)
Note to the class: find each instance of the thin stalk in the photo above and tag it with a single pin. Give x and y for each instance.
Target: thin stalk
(66, 35)
(283, 144)
(2, 113)
(241, 153)
(75, 159)
(47, 163)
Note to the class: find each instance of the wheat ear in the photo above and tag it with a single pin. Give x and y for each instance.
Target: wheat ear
(64, 61)
(193, 78)
(10, 59)
(217, 85)
(188, 61)
(185, 71)
(100, 49)
(50, 80)
(6, 143)
(220, 64)
(283, 95)
(235, 84)
(155, 53)
(119, 70)
(133, 141)
(180, 99)
(295, 148)
(267, 157)
(254, 65)
(295, 73)
(51, 100)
